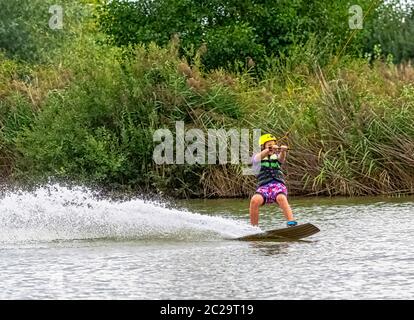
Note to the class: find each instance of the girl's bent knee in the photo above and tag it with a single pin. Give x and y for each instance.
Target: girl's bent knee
(281, 197)
(257, 200)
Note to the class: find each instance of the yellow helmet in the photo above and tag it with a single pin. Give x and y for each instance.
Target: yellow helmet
(265, 138)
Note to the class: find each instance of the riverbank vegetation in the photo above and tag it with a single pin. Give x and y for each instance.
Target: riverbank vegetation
(82, 103)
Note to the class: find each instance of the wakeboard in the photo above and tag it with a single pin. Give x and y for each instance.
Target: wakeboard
(291, 233)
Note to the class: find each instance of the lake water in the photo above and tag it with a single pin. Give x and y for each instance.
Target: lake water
(61, 243)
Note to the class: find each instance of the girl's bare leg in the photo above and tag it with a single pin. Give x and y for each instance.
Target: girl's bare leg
(255, 203)
(284, 205)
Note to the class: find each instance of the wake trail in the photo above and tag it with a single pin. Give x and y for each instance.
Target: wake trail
(55, 212)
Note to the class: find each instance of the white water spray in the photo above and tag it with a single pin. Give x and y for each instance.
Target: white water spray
(55, 212)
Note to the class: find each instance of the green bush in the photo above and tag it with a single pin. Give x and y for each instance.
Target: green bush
(232, 31)
(391, 32)
(25, 33)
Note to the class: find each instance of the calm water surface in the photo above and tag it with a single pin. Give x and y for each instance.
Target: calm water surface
(65, 244)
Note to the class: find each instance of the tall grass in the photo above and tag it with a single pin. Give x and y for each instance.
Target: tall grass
(352, 133)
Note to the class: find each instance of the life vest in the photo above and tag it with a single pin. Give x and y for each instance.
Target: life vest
(270, 171)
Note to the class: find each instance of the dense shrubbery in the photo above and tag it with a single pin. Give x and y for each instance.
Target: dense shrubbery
(392, 31)
(233, 31)
(88, 115)
(25, 34)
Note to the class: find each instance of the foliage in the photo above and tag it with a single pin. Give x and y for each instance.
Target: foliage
(392, 31)
(232, 31)
(25, 27)
(87, 110)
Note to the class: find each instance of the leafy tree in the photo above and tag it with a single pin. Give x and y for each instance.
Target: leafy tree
(392, 31)
(232, 30)
(25, 27)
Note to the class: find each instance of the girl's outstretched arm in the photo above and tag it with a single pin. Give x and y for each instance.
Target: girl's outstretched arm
(258, 157)
(282, 154)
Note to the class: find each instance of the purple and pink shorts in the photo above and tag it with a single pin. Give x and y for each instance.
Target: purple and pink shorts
(271, 190)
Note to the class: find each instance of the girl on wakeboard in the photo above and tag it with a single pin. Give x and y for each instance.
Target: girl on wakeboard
(271, 182)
